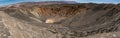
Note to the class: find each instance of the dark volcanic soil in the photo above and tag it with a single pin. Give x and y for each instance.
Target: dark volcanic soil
(81, 21)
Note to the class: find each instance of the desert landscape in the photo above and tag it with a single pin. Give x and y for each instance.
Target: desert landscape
(60, 20)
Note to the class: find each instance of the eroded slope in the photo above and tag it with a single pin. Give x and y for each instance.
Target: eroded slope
(80, 19)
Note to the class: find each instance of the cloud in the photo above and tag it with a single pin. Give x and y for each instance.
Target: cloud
(71, 0)
(3, 0)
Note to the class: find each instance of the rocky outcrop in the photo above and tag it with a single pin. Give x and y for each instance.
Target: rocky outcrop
(60, 21)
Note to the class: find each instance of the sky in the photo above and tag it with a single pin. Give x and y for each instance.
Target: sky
(7, 2)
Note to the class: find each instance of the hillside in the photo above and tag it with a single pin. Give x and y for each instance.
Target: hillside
(60, 20)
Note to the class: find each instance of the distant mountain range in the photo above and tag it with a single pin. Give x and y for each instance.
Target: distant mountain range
(43, 3)
(50, 2)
